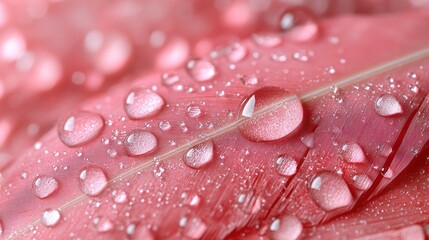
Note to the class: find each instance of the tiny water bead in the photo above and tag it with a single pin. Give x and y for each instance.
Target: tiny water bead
(352, 153)
(164, 125)
(169, 79)
(193, 111)
(267, 40)
(50, 217)
(362, 181)
(299, 24)
(286, 165)
(102, 224)
(287, 228)
(387, 105)
(140, 142)
(249, 80)
(193, 228)
(44, 186)
(79, 127)
(92, 180)
(143, 103)
(201, 70)
(329, 191)
(200, 155)
(272, 112)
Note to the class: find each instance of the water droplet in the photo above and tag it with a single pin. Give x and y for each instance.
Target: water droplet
(387, 173)
(43, 186)
(362, 181)
(143, 103)
(412, 75)
(131, 228)
(352, 153)
(50, 217)
(194, 228)
(267, 40)
(102, 224)
(308, 140)
(275, 225)
(387, 105)
(200, 155)
(164, 125)
(384, 150)
(119, 196)
(79, 127)
(191, 199)
(330, 191)
(249, 80)
(274, 113)
(193, 111)
(169, 79)
(92, 180)
(201, 70)
(300, 56)
(286, 165)
(299, 24)
(236, 52)
(140, 142)
(414, 89)
(288, 228)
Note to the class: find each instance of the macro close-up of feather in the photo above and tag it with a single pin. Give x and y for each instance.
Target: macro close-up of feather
(214, 119)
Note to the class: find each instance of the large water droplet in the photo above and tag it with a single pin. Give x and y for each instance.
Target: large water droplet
(79, 127)
(43, 186)
(50, 217)
(201, 70)
(92, 180)
(352, 153)
(387, 105)
(194, 228)
(286, 165)
(142, 103)
(362, 181)
(140, 142)
(274, 113)
(286, 228)
(299, 24)
(199, 155)
(330, 191)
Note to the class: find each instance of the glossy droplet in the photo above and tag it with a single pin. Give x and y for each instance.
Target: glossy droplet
(193, 111)
(352, 153)
(384, 150)
(249, 80)
(299, 24)
(140, 142)
(50, 217)
(286, 165)
(201, 70)
(388, 105)
(143, 103)
(102, 224)
(308, 140)
(194, 228)
(79, 127)
(236, 52)
(169, 79)
(362, 181)
(119, 196)
(330, 191)
(164, 125)
(274, 113)
(286, 228)
(43, 186)
(267, 40)
(200, 155)
(92, 180)
(387, 173)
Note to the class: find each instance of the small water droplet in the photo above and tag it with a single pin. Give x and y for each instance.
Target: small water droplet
(143, 103)
(330, 70)
(131, 228)
(278, 57)
(194, 228)
(102, 224)
(267, 40)
(119, 196)
(79, 127)
(140, 142)
(236, 52)
(384, 150)
(164, 125)
(387, 173)
(274, 113)
(275, 225)
(44, 186)
(169, 79)
(352, 153)
(387, 105)
(287, 228)
(92, 180)
(299, 24)
(249, 80)
(412, 75)
(414, 88)
(50, 217)
(300, 56)
(200, 155)
(112, 153)
(362, 181)
(193, 111)
(330, 191)
(286, 165)
(191, 199)
(201, 70)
